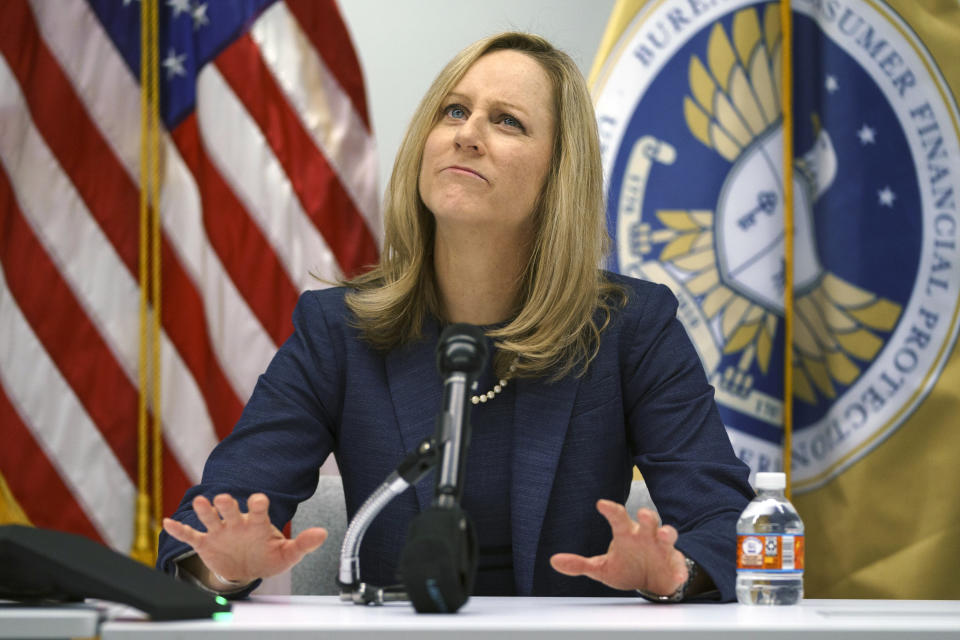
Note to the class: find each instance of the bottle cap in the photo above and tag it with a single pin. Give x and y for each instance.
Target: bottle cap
(771, 480)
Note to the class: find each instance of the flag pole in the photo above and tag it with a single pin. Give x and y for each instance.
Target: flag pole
(786, 92)
(145, 538)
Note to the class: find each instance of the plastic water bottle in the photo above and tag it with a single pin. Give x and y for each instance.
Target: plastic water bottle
(770, 546)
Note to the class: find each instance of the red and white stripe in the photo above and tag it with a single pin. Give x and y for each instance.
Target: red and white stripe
(270, 180)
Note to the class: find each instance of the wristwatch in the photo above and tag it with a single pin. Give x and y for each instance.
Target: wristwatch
(680, 593)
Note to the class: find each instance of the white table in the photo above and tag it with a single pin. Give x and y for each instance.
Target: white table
(56, 621)
(291, 617)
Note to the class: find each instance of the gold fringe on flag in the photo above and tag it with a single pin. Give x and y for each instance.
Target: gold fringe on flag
(10, 510)
(786, 21)
(155, 285)
(149, 441)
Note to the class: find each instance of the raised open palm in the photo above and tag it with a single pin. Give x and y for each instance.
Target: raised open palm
(641, 554)
(242, 547)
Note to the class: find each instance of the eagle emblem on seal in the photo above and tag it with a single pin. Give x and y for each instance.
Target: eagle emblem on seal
(732, 259)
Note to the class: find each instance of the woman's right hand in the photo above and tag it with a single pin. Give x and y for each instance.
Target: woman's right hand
(241, 547)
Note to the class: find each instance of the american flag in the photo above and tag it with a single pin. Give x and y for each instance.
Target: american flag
(268, 179)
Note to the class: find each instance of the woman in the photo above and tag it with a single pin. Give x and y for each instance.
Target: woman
(494, 216)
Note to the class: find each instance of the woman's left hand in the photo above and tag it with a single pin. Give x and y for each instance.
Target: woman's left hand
(641, 554)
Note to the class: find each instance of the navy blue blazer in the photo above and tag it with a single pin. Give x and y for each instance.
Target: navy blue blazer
(644, 401)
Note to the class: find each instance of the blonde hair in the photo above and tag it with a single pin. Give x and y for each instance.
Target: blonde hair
(556, 326)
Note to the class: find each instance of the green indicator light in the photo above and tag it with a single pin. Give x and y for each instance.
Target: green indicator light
(223, 616)
(221, 600)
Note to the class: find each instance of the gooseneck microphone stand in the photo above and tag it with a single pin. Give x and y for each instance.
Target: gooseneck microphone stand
(439, 560)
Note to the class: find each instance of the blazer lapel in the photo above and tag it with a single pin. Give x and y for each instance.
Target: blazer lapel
(417, 394)
(542, 414)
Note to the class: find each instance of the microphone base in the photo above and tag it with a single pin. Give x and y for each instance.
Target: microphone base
(365, 594)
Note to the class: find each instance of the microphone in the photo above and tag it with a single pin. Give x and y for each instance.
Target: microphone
(438, 564)
(461, 356)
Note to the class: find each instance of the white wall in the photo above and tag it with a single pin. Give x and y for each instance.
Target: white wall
(403, 44)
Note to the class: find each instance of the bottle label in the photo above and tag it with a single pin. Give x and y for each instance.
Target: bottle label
(777, 553)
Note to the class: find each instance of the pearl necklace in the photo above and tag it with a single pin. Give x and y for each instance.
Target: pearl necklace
(497, 388)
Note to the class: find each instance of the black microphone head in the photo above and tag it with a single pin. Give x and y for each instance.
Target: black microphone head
(462, 347)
